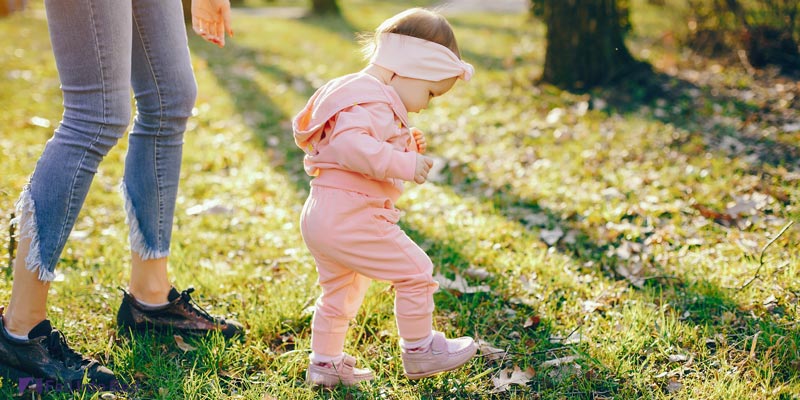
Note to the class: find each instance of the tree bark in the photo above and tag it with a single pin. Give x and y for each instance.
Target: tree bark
(325, 7)
(585, 45)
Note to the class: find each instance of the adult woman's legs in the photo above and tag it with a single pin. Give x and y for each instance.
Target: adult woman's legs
(91, 43)
(165, 91)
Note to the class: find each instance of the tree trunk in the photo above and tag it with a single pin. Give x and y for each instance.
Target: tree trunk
(585, 47)
(325, 7)
(7, 7)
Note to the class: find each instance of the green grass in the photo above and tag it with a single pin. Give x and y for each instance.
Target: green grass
(625, 183)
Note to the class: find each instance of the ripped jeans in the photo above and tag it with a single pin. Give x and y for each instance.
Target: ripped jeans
(102, 49)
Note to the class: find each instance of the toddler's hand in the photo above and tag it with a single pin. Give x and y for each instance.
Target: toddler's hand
(419, 138)
(424, 165)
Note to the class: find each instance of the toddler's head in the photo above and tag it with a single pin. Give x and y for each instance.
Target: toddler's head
(420, 48)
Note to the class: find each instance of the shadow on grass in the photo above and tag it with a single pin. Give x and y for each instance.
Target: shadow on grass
(693, 103)
(696, 302)
(273, 127)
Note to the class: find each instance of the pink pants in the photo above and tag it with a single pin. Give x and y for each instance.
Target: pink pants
(354, 239)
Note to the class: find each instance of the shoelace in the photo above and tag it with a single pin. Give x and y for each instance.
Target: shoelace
(190, 304)
(58, 348)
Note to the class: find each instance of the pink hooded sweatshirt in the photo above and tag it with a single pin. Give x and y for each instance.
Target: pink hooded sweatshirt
(354, 131)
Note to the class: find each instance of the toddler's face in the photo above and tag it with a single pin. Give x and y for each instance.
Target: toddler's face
(417, 93)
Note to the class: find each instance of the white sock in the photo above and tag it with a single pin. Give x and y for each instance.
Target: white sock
(323, 359)
(14, 336)
(150, 305)
(422, 344)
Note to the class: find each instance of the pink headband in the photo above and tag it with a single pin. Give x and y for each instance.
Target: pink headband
(417, 58)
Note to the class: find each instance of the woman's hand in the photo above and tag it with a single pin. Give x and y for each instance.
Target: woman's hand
(211, 19)
(424, 165)
(419, 139)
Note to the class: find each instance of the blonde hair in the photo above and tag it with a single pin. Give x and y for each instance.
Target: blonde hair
(416, 22)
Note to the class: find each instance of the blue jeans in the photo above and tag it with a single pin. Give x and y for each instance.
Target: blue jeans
(103, 48)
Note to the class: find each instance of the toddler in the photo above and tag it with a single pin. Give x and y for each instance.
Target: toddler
(359, 149)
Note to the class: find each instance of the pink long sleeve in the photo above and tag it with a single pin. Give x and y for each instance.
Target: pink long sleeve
(367, 140)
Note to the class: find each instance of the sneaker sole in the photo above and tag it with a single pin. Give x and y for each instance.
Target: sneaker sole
(166, 330)
(332, 381)
(421, 375)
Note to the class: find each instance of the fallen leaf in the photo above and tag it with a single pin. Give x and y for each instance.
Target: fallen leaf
(459, 285)
(532, 322)
(40, 122)
(477, 273)
(711, 214)
(537, 219)
(674, 386)
(210, 207)
(508, 377)
(632, 273)
(554, 115)
(183, 345)
(590, 306)
(489, 352)
(557, 362)
(678, 357)
(565, 371)
(551, 236)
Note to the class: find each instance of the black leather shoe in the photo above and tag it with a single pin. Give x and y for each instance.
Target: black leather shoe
(46, 358)
(181, 315)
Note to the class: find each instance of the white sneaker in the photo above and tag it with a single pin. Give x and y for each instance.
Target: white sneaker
(442, 355)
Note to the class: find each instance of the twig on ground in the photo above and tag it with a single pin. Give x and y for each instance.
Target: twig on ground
(763, 250)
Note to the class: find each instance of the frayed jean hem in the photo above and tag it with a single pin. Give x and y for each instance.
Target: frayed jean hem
(26, 213)
(137, 242)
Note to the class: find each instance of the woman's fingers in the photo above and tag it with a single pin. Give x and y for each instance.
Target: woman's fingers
(209, 30)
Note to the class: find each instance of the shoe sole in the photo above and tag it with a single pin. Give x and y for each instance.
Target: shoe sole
(166, 330)
(421, 375)
(327, 380)
(332, 381)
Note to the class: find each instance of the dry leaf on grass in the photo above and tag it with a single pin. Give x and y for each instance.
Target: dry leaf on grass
(477, 273)
(489, 352)
(210, 207)
(574, 337)
(674, 386)
(551, 236)
(557, 362)
(459, 285)
(678, 358)
(508, 377)
(183, 345)
(532, 322)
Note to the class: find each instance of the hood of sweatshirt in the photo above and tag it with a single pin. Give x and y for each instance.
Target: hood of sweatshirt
(337, 95)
